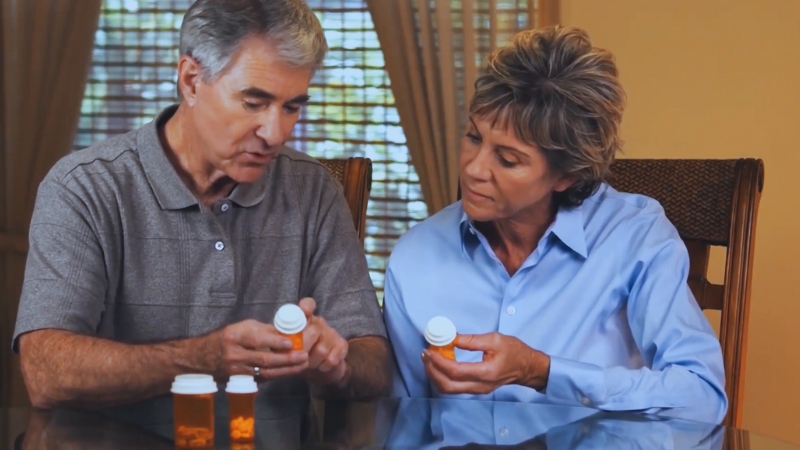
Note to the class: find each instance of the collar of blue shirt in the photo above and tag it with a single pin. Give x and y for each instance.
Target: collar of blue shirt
(568, 227)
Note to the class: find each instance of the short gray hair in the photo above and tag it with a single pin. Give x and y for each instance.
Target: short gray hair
(212, 31)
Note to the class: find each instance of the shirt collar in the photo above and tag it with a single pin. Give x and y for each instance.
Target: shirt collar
(167, 186)
(251, 194)
(568, 227)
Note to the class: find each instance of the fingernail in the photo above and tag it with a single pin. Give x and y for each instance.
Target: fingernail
(299, 356)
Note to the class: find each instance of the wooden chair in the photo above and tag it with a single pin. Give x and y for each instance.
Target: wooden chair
(355, 176)
(710, 202)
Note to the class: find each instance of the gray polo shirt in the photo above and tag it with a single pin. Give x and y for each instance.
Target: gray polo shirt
(121, 249)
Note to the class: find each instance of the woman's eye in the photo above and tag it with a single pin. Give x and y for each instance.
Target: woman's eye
(475, 139)
(506, 163)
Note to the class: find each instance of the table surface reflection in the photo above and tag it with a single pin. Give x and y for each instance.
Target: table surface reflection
(294, 423)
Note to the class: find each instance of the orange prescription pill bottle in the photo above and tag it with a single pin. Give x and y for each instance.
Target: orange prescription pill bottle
(242, 390)
(441, 336)
(193, 400)
(290, 321)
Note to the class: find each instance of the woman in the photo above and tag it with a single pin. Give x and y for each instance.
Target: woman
(562, 289)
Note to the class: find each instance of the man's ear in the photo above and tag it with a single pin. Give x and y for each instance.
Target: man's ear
(190, 75)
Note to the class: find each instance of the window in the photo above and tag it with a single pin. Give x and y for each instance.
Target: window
(351, 111)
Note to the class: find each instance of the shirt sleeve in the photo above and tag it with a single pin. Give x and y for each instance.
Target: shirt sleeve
(65, 279)
(683, 374)
(337, 276)
(407, 343)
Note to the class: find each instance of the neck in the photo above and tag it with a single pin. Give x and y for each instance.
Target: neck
(184, 152)
(513, 239)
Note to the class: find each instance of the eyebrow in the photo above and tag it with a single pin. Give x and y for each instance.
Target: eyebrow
(503, 147)
(264, 95)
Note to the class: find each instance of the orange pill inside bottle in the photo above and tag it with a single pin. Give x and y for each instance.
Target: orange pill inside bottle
(193, 410)
(242, 390)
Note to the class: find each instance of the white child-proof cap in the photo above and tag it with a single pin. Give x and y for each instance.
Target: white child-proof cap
(440, 331)
(290, 319)
(194, 384)
(241, 384)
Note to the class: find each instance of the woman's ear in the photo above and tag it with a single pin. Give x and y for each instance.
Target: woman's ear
(564, 182)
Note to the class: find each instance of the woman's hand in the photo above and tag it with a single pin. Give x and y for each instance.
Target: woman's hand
(506, 360)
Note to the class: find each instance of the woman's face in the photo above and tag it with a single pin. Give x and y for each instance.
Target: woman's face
(502, 177)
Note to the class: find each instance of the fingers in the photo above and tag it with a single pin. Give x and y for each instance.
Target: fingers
(446, 385)
(456, 371)
(250, 344)
(326, 358)
(270, 364)
(335, 356)
(329, 373)
(490, 342)
(311, 336)
(329, 350)
(308, 305)
(255, 335)
(263, 359)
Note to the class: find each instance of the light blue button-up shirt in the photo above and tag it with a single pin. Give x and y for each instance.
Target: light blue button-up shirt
(604, 294)
(437, 423)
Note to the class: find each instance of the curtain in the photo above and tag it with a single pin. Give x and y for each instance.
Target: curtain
(45, 51)
(434, 51)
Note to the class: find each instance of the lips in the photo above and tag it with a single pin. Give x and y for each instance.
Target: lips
(476, 195)
(258, 157)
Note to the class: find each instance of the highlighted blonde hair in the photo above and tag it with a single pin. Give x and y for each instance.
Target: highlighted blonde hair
(561, 95)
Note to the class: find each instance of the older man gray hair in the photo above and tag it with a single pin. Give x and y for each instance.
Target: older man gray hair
(169, 249)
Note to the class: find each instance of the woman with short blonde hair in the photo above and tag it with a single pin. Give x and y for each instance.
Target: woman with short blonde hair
(562, 289)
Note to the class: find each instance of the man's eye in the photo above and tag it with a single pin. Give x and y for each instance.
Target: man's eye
(251, 105)
(291, 109)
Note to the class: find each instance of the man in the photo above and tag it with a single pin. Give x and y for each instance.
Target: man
(169, 249)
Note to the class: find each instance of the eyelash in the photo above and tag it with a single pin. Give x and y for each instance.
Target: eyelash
(254, 106)
(503, 162)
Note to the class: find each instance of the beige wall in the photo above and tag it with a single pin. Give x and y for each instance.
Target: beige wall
(721, 79)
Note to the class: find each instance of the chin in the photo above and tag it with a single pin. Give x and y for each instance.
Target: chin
(479, 213)
(247, 174)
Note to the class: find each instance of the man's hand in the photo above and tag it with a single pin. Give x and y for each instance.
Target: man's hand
(506, 360)
(326, 349)
(250, 344)
(66, 369)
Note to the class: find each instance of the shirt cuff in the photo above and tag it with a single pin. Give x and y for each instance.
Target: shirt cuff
(575, 383)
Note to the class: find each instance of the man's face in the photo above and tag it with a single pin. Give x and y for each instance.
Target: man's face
(244, 117)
